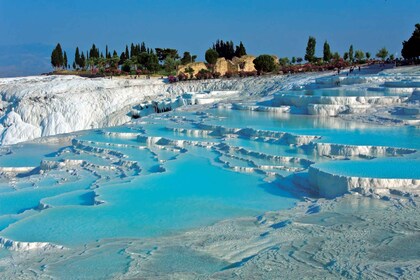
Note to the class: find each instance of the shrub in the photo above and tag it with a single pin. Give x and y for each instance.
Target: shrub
(264, 63)
(126, 68)
(182, 77)
(172, 79)
(203, 74)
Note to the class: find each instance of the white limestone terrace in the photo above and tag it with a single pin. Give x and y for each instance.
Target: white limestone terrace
(39, 106)
(317, 238)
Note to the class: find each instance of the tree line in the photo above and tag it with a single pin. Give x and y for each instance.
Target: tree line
(135, 59)
(138, 58)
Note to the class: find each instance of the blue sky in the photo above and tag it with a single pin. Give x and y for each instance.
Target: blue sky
(277, 27)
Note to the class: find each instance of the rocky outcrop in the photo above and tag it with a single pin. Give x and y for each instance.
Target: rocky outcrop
(223, 66)
(196, 66)
(245, 63)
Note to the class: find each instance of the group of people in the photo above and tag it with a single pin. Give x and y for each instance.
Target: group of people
(352, 68)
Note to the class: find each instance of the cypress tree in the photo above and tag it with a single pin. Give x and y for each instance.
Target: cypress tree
(57, 58)
(107, 53)
(127, 53)
(351, 54)
(82, 61)
(143, 47)
(65, 60)
(77, 57)
(310, 49)
(54, 58)
(327, 52)
(94, 52)
(132, 50)
(123, 58)
(240, 50)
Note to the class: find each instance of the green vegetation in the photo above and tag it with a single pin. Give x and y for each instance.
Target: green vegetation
(351, 56)
(411, 48)
(211, 56)
(382, 53)
(57, 58)
(138, 59)
(264, 63)
(327, 52)
(359, 55)
(227, 49)
(188, 58)
(240, 50)
(310, 49)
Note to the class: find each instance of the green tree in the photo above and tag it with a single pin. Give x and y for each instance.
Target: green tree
(127, 53)
(82, 61)
(411, 48)
(327, 52)
(74, 65)
(65, 60)
(57, 58)
(163, 53)
(143, 47)
(368, 55)
(392, 57)
(293, 60)
(170, 64)
(351, 54)
(310, 49)
(224, 49)
(94, 52)
(77, 57)
(264, 63)
(114, 61)
(240, 50)
(284, 61)
(151, 62)
(359, 55)
(126, 67)
(211, 56)
(187, 58)
(107, 53)
(382, 53)
(299, 60)
(346, 56)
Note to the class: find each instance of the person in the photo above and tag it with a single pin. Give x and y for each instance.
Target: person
(359, 68)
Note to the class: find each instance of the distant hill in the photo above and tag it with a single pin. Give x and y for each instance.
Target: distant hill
(24, 60)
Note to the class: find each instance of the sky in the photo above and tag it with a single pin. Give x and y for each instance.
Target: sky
(29, 29)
